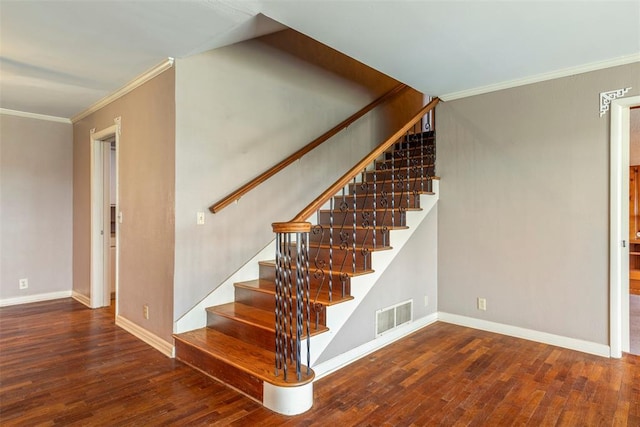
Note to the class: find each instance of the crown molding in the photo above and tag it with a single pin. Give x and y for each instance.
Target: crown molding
(138, 81)
(565, 72)
(34, 116)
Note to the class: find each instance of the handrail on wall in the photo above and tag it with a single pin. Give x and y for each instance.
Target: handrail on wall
(234, 196)
(298, 223)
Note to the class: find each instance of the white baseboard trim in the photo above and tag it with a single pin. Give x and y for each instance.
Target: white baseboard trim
(142, 334)
(527, 334)
(34, 298)
(325, 368)
(81, 298)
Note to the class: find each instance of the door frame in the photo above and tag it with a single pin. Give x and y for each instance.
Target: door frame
(619, 225)
(100, 219)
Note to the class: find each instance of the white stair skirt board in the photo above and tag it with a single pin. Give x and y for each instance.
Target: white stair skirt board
(150, 338)
(325, 368)
(527, 334)
(34, 298)
(196, 318)
(288, 400)
(338, 314)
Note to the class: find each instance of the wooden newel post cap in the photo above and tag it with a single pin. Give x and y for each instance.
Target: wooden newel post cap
(291, 227)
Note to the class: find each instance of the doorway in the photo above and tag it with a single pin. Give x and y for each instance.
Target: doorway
(104, 211)
(619, 225)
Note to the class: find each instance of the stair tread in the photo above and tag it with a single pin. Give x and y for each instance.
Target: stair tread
(272, 263)
(268, 286)
(263, 319)
(247, 357)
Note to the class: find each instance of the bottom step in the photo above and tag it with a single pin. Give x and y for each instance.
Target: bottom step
(246, 368)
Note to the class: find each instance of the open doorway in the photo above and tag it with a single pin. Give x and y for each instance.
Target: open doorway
(104, 215)
(620, 238)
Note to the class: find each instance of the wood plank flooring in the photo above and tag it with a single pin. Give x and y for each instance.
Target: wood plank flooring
(64, 364)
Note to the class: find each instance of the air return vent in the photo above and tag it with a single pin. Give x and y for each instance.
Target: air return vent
(394, 316)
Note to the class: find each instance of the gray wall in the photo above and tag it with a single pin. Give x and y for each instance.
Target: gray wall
(524, 204)
(36, 172)
(239, 110)
(146, 157)
(413, 274)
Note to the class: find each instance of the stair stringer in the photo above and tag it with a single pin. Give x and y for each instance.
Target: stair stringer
(338, 314)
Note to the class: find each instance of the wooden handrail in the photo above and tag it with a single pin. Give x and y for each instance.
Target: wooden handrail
(232, 197)
(297, 222)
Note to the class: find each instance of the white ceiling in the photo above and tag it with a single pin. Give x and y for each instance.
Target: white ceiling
(59, 57)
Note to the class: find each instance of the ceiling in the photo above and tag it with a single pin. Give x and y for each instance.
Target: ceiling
(57, 58)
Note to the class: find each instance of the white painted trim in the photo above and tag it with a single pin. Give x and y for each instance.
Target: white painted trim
(138, 81)
(34, 116)
(142, 334)
(327, 367)
(619, 225)
(34, 298)
(527, 334)
(82, 299)
(594, 66)
(287, 400)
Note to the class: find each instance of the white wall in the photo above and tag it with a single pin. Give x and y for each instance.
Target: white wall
(36, 187)
(524, 205)
(240, 110)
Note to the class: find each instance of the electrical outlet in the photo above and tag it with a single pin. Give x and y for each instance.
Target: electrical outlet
(145, 311)
(200, 218)
(23, 283)
(426, 300)
(482, 304)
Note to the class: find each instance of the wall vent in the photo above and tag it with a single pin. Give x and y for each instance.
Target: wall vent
(394, 316)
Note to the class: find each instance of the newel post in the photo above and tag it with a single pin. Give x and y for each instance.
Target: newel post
(292, 295)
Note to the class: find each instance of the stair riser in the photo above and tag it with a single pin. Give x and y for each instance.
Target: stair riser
(416, 151)
(414, 142)
(402, 162)
(316, 282)
(342, 260)
(242, 331)
(224, 372)
(364, 237)
(366, 201)
(393, 188)
(346, 218)
(388, 175)
(246, 332)
(267, 301)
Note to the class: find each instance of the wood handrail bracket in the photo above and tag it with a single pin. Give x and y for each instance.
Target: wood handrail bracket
(359, 167)
(236, 195)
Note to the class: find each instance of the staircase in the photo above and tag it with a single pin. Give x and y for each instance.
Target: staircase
(243, 343)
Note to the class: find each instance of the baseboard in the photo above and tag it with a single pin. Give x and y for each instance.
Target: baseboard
(527, 334)
(34, 298)
(81, 298)
(142, 334)
(339, 362)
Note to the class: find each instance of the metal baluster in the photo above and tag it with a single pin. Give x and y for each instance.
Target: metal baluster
(299, 297)
(375, 212)
(278, 309)
(331, 210)
(353, 239)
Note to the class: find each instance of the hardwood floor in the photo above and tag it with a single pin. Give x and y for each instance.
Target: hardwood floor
(63, 364)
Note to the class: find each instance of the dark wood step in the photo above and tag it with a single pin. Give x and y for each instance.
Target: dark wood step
(382, 217)
(416, 171)
(239, 364)
(366, 201)
(260, 293)
(249, 324)
(398, 162)
(364, 236)
(393, 188)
